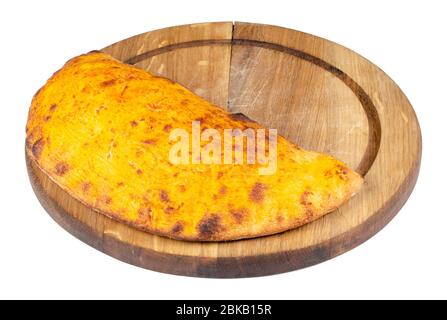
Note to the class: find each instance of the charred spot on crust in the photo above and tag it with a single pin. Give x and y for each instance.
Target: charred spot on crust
(144, 214)
(164, 196)
(153, 106)
(328, 173)
(169, 210)
(280, 218)
(61, 168)
(257, 193)
(239, 214)
(98, 110)
(85, 186)
(177, 228)
(139, 153)
(124, 90)
(149, 141)
(108, 83)
(309, 214)
(341, 171)
(304, 199)
(167, 127)
(37, 148)
(106, 199)
(209, 226)
(223, 190)
(133, 123)
(103, 200)
(221, 193)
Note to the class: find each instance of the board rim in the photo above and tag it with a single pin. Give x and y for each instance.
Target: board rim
(223, 267)
(168, 263)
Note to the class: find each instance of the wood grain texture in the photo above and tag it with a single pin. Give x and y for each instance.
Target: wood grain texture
(316, 93)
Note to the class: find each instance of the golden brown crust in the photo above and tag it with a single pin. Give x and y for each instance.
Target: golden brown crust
(100, 130)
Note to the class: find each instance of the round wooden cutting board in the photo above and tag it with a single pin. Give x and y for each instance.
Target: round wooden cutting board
(318, 94)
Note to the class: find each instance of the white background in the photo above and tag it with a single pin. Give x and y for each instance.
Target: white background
(407, 39)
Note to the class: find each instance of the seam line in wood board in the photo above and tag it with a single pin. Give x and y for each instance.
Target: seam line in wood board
(372, 115)
(229, 68)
